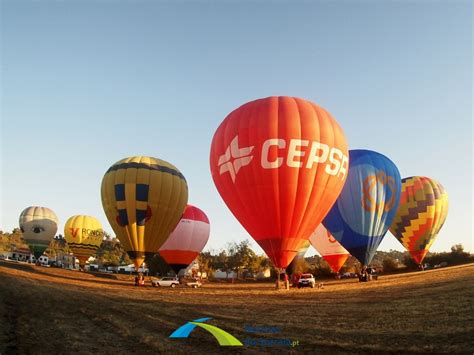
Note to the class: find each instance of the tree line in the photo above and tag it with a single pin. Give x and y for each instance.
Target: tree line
(240, 260)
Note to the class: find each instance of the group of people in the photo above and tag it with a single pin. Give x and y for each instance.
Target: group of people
(140, 279)
(368, 274)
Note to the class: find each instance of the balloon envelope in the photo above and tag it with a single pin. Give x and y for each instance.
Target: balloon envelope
(144, 199)
(421, 214)
(279, 164)
(329, 248)
(84, 236)
(39, 226)
(187, 240)
(367, 204)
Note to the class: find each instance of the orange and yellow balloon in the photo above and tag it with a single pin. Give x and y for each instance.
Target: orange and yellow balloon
(421, 213)
(84, 236)
(144, 199)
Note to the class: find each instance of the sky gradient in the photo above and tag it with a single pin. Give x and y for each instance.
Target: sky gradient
(85, 84)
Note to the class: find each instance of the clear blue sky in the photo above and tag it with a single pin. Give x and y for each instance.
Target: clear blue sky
(86, 83)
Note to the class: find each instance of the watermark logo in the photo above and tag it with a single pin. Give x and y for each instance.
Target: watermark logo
(271, 341)
(223, 338)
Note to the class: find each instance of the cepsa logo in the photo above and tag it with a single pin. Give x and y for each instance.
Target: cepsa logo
(288, 153)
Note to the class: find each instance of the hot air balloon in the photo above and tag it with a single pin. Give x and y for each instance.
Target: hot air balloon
(144, 199)
(279, 164)
(39, 226)
(84, 236)
(367, 204)
(329, 248)
(421, 214)
(187, 240)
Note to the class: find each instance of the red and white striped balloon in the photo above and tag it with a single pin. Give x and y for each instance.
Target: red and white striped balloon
(329, 248)
(187, 240)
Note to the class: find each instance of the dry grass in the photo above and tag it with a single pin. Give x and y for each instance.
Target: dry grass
(45, 310)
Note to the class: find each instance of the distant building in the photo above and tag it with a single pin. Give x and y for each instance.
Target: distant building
(22, 254)
(219, 274)
(126, 269)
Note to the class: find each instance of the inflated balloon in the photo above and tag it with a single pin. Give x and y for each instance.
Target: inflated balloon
(421, 214)
(279, 164)
(144, 199)
(187, 240)
(367, 204)
(84, 236)
(329, 248)
(39, 226)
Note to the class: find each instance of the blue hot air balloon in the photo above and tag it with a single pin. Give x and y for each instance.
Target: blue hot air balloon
(367, 204)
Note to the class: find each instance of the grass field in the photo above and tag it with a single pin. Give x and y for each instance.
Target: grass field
(47, 310)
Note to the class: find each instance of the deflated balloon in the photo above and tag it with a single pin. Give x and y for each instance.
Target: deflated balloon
(329, 248)
(367, 205)
(187, 240)
(144, 199)
(39, 226)
(279, 164)
(84, 236)
(421, 214)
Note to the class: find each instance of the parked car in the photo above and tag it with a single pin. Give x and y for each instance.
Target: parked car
(165, 282)
(442, 264)
(195, 283)
(306, 280)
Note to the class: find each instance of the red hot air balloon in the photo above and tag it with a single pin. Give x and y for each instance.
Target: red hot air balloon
(279, 163)
(187, 240)
(329, 248)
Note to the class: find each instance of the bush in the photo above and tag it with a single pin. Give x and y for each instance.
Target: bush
(390, 265)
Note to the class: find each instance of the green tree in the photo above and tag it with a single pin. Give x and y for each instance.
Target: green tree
(205, 263)
(158, 266)
(390, 264)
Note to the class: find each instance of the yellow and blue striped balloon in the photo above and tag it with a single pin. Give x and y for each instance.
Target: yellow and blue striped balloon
(144, 199)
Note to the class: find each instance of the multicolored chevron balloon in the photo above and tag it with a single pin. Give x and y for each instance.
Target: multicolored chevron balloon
(421, 214)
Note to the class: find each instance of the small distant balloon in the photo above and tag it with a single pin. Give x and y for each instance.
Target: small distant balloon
(39, 226)
(84, 236)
